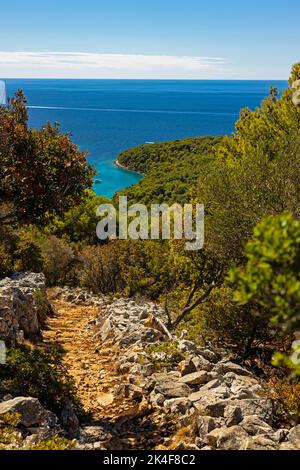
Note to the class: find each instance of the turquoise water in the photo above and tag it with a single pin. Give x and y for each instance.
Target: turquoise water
(108, 116)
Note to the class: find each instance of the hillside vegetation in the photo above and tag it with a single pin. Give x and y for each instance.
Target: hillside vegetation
(171, 169)
(241, 291)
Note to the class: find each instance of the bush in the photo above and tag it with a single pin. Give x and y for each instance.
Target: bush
(40, 253)
(9, 435)
(100, 269)
(221, 320)
(40, 374)
(286, 393)
(165, 355)
(271, 277)
(28, 253)
(41, 170)
(59, 260)
(56, 443)
(78, 224)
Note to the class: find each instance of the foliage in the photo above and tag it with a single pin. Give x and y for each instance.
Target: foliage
(77, 224)
(40, 374)
(255, 174)
(171, 169)
(40, 253)
(271, 277)
(42, 305)
(165, 355)
(239, 195)
(55, 443)
(286, 393)
(9, 436)
(295, 73)
(291, 362)
(41, 171)
(220, 320)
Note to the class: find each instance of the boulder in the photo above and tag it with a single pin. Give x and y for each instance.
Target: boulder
(223, 367)
(178, 405)
(201, 363)
(92, 434)
(294, 437)
(232, 415)
(196, 378)
(206, 424)
(224, 438)
(260, 443)
(209, 355)
(215, 383)
(187, 366)
(23, 303)
(69, 420)
(31, 412)
(157, 399)
(263, 408)
(253, 425)
(173, 389)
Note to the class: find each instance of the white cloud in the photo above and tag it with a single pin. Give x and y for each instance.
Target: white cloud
(92, 65)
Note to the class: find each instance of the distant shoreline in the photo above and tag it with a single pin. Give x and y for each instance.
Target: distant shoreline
(123, 167)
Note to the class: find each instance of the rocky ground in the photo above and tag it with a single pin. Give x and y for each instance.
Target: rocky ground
(205, 402)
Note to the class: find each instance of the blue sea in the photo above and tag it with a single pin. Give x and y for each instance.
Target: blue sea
(108, 116)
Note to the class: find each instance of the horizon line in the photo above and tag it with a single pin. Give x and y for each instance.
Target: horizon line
(151, 79)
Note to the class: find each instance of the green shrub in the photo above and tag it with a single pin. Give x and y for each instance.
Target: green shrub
(28, 253)
(43, 307)
(220, 320)
(40, 374)
(58, 259)
(78, 224)
(38, 252)
(9, 436)
(271, 277)
(55, 443)
(165, 355)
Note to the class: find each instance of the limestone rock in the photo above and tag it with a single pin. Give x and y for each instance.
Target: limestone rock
(233, 415)
(233, 438)
(253, 425)
(223, 367)
(206, 424)
(178, 405)
(69, 420)
(263, 408)
(196, 378)
(261, 443)
(22, 305)
(173, 389)
(294, 437)
(201, 363)
(187, 366)
(31, 412)
(92, 434)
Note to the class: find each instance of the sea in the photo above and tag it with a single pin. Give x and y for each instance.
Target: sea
(106, 117)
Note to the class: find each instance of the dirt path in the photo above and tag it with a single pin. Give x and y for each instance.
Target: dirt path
(95, 372)
(97, 378)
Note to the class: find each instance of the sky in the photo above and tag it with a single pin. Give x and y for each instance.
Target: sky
(168, 39)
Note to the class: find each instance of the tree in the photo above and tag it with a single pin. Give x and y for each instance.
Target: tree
(271, 276)
(40, 170)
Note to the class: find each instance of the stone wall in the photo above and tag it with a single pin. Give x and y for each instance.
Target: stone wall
(23, 305)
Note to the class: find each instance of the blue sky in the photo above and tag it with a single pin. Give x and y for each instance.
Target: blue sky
(246, 39)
